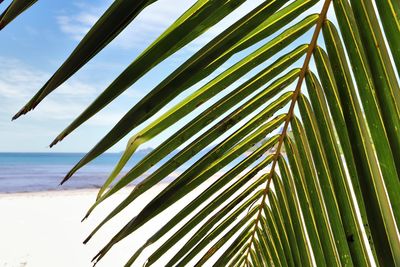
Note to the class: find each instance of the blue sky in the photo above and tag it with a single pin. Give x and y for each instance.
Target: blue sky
(35, 45)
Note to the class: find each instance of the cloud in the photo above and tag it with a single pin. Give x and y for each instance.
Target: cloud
(19, 81)
(78, 21)
(76, 26)
(145, 28)
(14, 77)
(153, 21)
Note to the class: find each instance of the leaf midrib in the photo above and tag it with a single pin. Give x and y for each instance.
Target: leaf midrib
(296, 94)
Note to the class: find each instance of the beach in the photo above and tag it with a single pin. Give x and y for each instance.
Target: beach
(41, 229)
(41, 221)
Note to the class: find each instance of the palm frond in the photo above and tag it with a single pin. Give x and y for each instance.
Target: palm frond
(325, 195)
(14, 10)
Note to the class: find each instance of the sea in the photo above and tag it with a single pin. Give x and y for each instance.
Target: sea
(32, 172)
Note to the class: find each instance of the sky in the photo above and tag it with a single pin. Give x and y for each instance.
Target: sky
(35, 45)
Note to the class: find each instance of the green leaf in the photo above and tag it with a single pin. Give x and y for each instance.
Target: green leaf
(262, 248)
(286, 193)
(223, 47)
(254, 258)
(235, 171)
(204, 236)
(239, 242)
(390, 18)
(237, 249)
(217, 185)
(226, 237)
(269, 224)
(325, 179)
(205, 139)
(257, 254)
(277, 218)
(342, 189)
(379, 218)
(373, 115)
(209, 90)
(324, 222)
(381, 72)
(195, 21)
(281, 208)
(356, 169)
(14, 10)
(306, 193)
(196, 68)
(200, 171)
(337, 182)
(266, 240)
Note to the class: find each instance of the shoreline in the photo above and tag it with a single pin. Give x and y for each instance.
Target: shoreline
(68, 189)
(62, 192)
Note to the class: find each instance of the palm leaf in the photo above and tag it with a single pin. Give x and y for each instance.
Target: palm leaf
(309, 156)
(14, 10)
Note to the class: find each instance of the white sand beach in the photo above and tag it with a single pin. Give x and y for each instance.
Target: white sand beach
(44, 229)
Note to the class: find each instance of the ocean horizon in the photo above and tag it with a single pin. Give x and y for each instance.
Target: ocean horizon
(33, 171)
(41, 171)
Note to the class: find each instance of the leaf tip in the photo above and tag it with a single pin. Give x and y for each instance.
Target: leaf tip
(19, 113)
(66, 178)
(58, 139)
(87, 240)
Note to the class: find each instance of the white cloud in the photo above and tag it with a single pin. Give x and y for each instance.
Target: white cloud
(76, 26)
(18, 82)
(145, 28)
(77, 23)
(148, 25)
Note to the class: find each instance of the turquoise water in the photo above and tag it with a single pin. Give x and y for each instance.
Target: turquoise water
(28, 172)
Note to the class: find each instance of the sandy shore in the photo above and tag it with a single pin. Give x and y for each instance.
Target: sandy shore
(44, 229)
